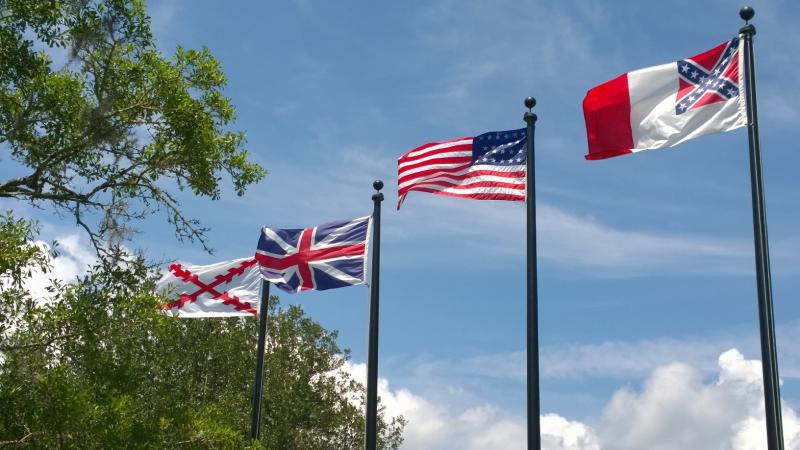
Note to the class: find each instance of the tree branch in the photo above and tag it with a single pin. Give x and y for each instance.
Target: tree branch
(47, 343)
(23, 439)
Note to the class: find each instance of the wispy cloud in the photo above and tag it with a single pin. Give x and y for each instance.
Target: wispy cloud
(581, 243)
(162, 18)
(620, 360)
(493, 55)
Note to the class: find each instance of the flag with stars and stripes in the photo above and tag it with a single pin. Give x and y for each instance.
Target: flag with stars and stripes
(663, 106)
(490, 166)
(327, 256)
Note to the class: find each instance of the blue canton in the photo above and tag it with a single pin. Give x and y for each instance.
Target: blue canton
(708, 81)
(500, 148)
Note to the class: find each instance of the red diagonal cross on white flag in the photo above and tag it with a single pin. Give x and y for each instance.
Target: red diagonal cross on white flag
(225, 289)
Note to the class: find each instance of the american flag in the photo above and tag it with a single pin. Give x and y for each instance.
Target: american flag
(327, 256)
(490, 166)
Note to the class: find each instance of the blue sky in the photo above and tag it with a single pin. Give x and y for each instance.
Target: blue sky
(645, 261)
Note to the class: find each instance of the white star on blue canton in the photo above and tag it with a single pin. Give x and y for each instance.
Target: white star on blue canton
(694, 74)
(731, 92)
(685, 68)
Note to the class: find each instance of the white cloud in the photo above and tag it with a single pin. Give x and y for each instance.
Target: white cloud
(74, 259)
(484, 426)
(559, 433)
(676, 409)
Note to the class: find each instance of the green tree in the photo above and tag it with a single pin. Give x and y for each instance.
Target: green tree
(98, 367)
(111, 136)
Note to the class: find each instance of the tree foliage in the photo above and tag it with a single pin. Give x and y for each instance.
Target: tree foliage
(104, 128)
(113, 134)
(18, 252)
(97, 367)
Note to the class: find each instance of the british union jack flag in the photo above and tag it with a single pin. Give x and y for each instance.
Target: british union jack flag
(327, 256)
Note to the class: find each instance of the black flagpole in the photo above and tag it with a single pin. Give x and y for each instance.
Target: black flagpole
(769, 358)
(371, 432)
(534, 434)
(255, 422)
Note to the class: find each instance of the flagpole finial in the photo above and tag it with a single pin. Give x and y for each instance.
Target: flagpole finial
(378, 185)
(530, 102)
(747, 13)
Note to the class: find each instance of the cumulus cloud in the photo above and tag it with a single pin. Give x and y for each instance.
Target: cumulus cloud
(559, 433)
(74, 259)
(677, 408)
(482, 426)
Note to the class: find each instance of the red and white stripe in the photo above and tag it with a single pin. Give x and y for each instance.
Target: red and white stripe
(445, 168)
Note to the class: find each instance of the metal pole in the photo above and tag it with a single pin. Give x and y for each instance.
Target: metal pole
(769, 358)
(534, 432)
(255, 423)
(371, 432)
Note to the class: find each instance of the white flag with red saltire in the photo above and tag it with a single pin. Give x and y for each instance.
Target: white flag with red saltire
(224, 289)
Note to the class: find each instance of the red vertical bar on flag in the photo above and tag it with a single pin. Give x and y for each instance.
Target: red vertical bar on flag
(607, 110)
